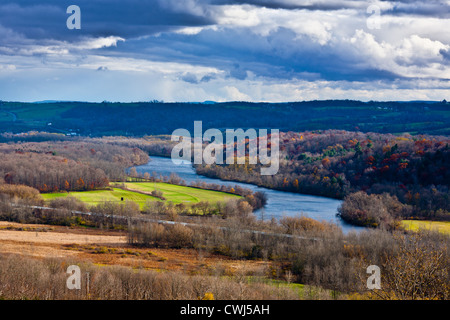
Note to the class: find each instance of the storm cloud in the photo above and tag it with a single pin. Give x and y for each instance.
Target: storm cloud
(193, 50)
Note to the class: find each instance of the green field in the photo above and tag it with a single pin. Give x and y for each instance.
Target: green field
(6, 117)
(98, 196)
(38, 112)
(416, 225)
(174, 193)
(178, 194)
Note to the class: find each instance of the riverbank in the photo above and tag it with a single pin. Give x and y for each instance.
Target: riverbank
(279, 203)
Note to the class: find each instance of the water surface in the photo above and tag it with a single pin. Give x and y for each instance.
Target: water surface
(279, 203)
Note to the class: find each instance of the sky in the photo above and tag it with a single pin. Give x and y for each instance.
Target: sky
(223, 50)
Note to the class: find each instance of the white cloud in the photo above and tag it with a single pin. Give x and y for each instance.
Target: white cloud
(263, 21)
(233, 94)
(8, 67)
(98, 43)
(413, 56)
(190, 30)
(27, 47)
(418, 50)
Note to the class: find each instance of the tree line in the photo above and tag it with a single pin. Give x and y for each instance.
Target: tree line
(66, 166)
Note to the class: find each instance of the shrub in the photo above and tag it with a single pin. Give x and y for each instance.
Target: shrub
(21, 192)
(371, 210)
(296, 225)
(69, 203)
(179, 236)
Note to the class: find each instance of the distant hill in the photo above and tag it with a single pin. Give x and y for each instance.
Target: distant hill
(54, 101)
(146, 118)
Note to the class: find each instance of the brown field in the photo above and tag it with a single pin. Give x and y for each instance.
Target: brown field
(110, 248)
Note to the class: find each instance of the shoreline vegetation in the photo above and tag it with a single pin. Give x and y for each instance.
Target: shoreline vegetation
(412, 170)
(408, 172)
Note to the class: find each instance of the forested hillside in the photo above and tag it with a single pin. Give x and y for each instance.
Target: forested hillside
(61, 166)
(144, 118)
(333, 163)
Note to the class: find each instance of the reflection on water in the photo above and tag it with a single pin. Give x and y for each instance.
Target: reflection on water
(279, 203)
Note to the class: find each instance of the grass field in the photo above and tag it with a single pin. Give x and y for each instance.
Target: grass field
(176, 194)
(415, 225)
(38, 112)
(6, 117)
(98, 196)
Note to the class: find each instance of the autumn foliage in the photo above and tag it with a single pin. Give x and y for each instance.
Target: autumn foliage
(66, 166)
(335, 163)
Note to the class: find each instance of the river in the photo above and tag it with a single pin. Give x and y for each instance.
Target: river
(279, 203)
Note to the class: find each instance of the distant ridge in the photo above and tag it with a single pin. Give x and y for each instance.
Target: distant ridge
(155, 118)
(419, 101)
(251, 102)
(56, 101)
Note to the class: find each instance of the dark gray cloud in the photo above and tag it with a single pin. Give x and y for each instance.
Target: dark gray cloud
(190, 78)
(445, 54)
(323, 5)
(281, 55)
(420, 7)
(130, 18)
(430, 8)
(134, 18)
(272, 41)
(193, 79)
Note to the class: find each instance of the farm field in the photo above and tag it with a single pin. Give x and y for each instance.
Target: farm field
(416, 225)
(174, 193)
(99, 196)
(178, 194)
